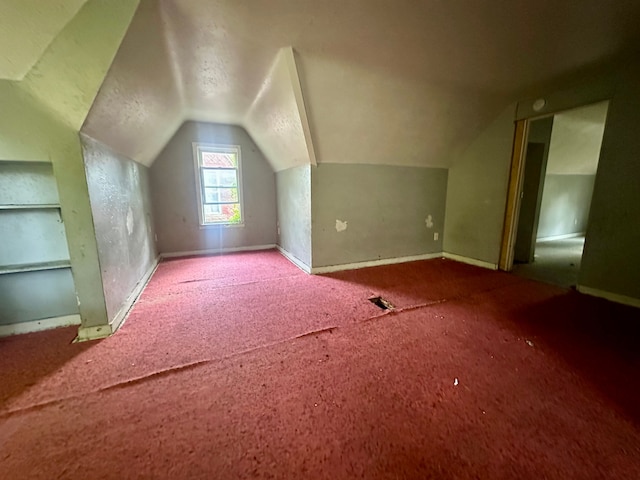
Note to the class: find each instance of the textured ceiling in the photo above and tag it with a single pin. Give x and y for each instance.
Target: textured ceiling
(402, 83)
(576, 139)
(27, 27)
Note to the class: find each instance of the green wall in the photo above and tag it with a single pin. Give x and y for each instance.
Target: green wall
(391, 212)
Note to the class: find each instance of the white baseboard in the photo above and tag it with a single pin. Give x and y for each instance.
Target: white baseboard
(560, 237)
(614, 297)
(374, 263)
(470, 261)
(103, 331)
(39, 325)
(216, 251)
(292, 258)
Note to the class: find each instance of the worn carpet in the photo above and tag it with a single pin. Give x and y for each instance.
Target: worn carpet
(242, 366)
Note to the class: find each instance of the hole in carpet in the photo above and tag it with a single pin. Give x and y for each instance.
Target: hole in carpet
(382, 303)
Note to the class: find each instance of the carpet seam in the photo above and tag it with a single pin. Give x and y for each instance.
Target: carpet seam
(161, 373)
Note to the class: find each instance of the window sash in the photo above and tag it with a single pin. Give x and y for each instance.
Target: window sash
(219, 184)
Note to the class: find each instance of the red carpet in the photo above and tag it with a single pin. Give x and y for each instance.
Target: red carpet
(242, 366)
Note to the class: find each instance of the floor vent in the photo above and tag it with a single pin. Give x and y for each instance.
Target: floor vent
(382, 303)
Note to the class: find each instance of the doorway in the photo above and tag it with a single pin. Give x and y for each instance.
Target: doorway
(551, 195)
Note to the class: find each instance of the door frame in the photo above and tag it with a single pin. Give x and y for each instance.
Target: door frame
(516, 177)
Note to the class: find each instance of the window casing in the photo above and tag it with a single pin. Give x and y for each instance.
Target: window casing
(219, 184)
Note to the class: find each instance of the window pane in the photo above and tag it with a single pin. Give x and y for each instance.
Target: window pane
(212, 195)
(222, 213)
(219, 159)
(219, 178)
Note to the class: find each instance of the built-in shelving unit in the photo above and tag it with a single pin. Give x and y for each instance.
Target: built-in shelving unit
(35, 270)
(26, 206)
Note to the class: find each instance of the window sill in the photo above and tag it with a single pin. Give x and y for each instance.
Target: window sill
(221, 225)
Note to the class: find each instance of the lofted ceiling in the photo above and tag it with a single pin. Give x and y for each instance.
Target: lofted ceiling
(400, 82)
(27, 27)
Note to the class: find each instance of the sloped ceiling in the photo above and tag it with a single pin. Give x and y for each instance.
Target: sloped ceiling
(277, 118)
(576, 139)
(401, 83)
(79, 41)
(27, 27)
(69, 73)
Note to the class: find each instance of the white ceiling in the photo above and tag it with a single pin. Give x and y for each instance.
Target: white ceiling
(576, 139)
(402, 83)
(27, 27)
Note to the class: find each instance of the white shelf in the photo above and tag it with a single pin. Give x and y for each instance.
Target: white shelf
(32, 206)
(34, 267)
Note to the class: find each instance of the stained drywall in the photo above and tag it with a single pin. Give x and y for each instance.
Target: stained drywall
(175, 199)
(36, 295)
(294, 212)
(611, 255)
(477, 190)
(277, 119)
(121, 207)
(565, 204)
(385, 209)
(576, 140)
(28, 27)
(139, 106)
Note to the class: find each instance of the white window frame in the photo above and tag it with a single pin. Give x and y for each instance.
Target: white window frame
(198, 148)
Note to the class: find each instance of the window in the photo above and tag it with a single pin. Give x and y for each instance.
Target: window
(219, 184)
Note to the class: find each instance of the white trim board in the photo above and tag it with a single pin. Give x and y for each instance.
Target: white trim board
(293, 259)
(470, 261)
(614, 297)
(217, 251)
(374, 263)
(560, 237)
(103, 331)
(39, 325)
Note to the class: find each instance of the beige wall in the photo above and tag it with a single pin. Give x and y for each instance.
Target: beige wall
(477, 190)
(175, 201)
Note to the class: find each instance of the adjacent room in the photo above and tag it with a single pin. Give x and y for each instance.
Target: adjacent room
(559, 174)
(298, 239)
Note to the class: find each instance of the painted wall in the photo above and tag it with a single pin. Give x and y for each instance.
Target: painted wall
(565, 204)
(175, 199)
(476, 192)
(121, 206)
(36, 295)
(293, 188)
(611, 255)
(576, 140)
(478, 182)
(389, 212)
